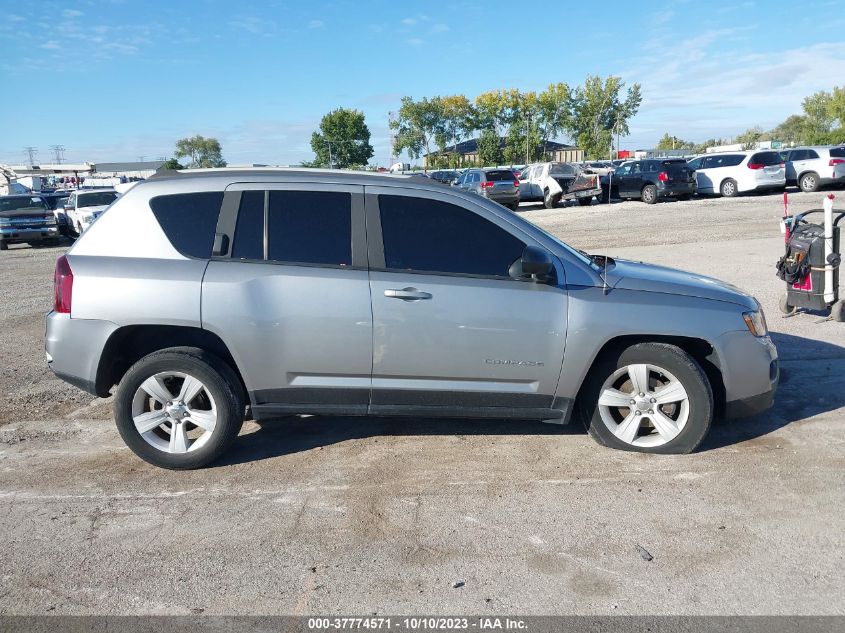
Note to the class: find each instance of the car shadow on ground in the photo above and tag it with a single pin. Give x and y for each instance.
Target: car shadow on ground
(808, 387)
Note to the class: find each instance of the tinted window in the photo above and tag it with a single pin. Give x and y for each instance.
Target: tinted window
(24, 203)
(249, 230)
(675, 166)
(838, 152)
(499, 175)
(189, 220)
(562, 169)
(695, 163)
(96, 199)
(811, 153)
(311, 227)
(429, 235)
(767, 159)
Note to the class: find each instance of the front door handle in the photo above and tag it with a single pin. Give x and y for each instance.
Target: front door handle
(407, 294)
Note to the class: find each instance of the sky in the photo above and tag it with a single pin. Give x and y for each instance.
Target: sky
(115, 80)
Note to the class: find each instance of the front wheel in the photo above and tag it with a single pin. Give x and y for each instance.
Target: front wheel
(649, 194)
(585, 202)
(729, 188)
(179, 408)
(809, 183)
(4, 246)
(549, 201)
(649, 398)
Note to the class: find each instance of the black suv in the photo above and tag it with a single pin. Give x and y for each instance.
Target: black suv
(650, 179)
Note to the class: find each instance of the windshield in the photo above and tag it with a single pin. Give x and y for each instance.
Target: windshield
(561, 169)
(27, 203)
(96, 199)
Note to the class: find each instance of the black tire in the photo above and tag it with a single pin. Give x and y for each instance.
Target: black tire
(549, 201)
(585, 202)
(784, 306)
(809, 182)
(4, 246)
(668, 357)
(649, 194)
(684, 198)
(220, 381)
(514, 206)
(728, 188)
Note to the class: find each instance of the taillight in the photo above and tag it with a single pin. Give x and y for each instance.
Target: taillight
(62, 286)
(663, 176)
(516, 184)
(755, 165)
(836, 161)
(484, 185)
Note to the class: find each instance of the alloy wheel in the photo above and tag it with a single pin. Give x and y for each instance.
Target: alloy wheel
(644, 405)
(174, 412)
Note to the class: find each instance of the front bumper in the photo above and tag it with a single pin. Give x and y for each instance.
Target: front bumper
(14, 234)
(750, 371)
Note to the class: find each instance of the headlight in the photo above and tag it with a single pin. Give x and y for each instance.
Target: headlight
(88, 218)
(49, 219)
(756, 322)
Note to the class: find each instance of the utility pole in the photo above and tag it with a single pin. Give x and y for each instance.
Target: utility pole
(58, 153)
(31, 152)
(331, 163)
(527, 136)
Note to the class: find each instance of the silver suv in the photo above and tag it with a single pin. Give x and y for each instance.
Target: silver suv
(812, 167)
(210, 296)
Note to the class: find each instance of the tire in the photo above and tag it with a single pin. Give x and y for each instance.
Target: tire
(585, 202)
(514, 206)
(728, 188)
(549, 201)
(784, 306)
(4, 246)
(649, 194)
(809, 182)
(684, 422)
(220, 401)
(684, 198)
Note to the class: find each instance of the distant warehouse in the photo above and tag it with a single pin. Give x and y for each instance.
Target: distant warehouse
(549, 150)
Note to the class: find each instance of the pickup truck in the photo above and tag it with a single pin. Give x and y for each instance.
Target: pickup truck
(26, 218)
(553, 182)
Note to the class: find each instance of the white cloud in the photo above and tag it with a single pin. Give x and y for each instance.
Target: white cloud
(409, 21)
(415, 41)
(15, 18)
(71, 13)
(253, 24)
(439, 28)
(52, 45)
(316, 24)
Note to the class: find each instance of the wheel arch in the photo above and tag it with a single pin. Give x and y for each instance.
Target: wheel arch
(129, 344)
(701, 350)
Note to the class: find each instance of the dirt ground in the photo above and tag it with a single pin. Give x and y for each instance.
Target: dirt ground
(327, 515)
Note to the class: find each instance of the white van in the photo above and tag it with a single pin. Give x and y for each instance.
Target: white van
(732, 173)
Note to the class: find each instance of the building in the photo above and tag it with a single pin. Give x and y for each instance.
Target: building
(549, 150)
(132, 170)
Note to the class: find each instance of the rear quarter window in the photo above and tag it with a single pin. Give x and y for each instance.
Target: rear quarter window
(837, 152)
(189, 220)
(767, 159)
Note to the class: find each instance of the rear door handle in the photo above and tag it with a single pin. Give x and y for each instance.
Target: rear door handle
(407, 294)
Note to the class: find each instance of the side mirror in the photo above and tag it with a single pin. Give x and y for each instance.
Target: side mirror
(456, 182)
(535, 263)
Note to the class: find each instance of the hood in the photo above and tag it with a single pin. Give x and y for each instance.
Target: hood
(631, 275)
(28, 213)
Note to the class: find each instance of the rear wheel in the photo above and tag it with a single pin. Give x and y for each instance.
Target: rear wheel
(549, 201)
(179, 408)
(728, 188)
(649, 194)
(585, 202)
(649, 398)
(809, 182)
(4, 246)
(514, 206)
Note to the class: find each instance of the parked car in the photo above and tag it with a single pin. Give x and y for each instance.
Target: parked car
(499, 185)
(85, 206)
(650, 180)
(553, 182)
(26, 219)
(201, 293)
(600, 167)
(812, 167)
(731, 173)
(55, 202)
(444, 176)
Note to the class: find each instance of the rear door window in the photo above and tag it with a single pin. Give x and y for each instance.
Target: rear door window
(310, 227)
(249, 229)
(189, 220)
(432, 236)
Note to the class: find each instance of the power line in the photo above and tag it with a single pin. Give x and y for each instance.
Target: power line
(58, 153)
(31, 152)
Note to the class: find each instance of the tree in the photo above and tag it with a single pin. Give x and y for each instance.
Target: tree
(673, 142)
(791, 130)
(598, 112)
(456, 123)
(489, 149)
(836, 106)
(817, 108)
(172, 163)
(417, 125)
(554, 111)
(750, 137)
(343, 140)
(204, 152)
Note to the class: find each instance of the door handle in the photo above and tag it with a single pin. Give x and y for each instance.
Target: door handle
(407, 294)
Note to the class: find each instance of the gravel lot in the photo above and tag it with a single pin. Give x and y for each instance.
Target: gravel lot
(336, 515)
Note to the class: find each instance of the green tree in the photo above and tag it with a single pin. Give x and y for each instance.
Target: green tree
(554, 111)
(417, 125)
(791, 130)
(171, 164)
(817, 108)
(836, 105)
(673, 142)
(456, 123)
(750, 137)
(343, 140)
(598, 110)
(203, 152)
(489, 148)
